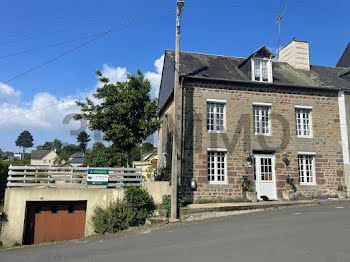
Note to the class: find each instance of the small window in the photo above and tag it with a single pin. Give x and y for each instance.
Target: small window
(303, 122)
(261, 70)
(216, 167)
(261, 120)
(306, 169)
(215, 116)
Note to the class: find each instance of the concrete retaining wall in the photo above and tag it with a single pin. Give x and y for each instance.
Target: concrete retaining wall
(157, 190)
(16, 198)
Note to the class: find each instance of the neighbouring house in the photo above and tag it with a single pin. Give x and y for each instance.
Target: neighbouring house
(17, 155)
(344, 109)
(77, 159)
(148, 164)
(43, 157)
(254, 117)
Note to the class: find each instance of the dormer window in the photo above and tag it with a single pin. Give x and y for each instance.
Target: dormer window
(261, 69)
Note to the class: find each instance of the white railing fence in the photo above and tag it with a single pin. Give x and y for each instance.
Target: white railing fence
(39, 176)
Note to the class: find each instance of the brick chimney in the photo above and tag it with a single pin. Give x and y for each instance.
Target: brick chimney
(296, 53)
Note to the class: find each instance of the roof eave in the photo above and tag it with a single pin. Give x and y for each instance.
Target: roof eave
(264, 83)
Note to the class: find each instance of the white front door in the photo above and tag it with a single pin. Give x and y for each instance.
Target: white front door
(264, 173)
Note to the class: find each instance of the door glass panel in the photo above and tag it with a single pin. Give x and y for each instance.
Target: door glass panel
(266, 169)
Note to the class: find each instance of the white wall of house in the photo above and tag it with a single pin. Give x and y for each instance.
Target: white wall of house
(47, 160)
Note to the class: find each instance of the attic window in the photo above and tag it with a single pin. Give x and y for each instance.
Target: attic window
(261, 70)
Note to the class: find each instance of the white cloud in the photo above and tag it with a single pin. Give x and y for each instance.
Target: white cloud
(9, 95)
(45, 111)
(114, 74)
(155, 77)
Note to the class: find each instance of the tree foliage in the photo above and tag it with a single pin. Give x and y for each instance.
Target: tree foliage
(55, 144)
(101, 156)
(24, 140)
(126, 113)
(146, 147)
(3, 177)
(65, 152)
(83, 139)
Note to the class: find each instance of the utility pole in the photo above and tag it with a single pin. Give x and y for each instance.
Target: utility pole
(175, 155)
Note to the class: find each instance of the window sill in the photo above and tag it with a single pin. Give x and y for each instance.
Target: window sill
(217, 183)
(216, 132)
(305, 185)
(262, 134)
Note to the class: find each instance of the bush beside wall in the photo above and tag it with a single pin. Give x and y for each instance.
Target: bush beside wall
(120, 215)
(3, 177)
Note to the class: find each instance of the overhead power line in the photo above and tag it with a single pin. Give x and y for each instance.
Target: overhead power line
(84, 94)
(46, 46)
(118, 27)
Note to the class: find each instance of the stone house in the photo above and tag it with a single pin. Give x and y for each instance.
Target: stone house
(254, 117)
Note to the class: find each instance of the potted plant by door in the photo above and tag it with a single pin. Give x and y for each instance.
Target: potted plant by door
(288, 193)
(289, 189)
(342, 191)
(248, 190)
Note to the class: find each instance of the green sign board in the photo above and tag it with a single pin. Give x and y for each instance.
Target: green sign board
(97, 177)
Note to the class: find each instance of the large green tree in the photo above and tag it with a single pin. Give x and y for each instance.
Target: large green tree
(125, 112)
(24, 140)
(83, 139)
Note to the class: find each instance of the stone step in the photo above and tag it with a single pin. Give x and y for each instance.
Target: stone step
(156, 221)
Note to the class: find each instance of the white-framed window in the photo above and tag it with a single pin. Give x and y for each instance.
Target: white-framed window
(216, 167)
(303, 122)
(261, 70)
(306, 167)
(216, 116)
(261, 120)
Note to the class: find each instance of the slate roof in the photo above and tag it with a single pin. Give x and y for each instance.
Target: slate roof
(39, 154)
(344, 60)
(225, 68)
(149, 155)
(77, 158)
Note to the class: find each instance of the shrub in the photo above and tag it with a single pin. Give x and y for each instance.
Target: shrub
(111, 219)
(181, 202)
(139, 205)
(163, 174)
(342, 187)
(247, 185)
(119, 215)
(3, 177)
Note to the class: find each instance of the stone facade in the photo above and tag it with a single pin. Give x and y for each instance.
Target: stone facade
(239, 139)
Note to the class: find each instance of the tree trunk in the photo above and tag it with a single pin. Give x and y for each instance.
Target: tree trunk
(128, 159)
(24, 151)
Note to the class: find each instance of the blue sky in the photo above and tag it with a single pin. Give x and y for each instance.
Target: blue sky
(41, 99)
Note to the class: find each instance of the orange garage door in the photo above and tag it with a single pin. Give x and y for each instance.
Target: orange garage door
(49, 221)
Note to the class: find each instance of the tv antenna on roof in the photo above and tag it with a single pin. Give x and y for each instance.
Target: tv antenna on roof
(279, 21)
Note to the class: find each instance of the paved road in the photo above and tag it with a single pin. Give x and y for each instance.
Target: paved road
(319, 234)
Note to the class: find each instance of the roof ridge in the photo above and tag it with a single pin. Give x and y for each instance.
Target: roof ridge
(196, 53)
